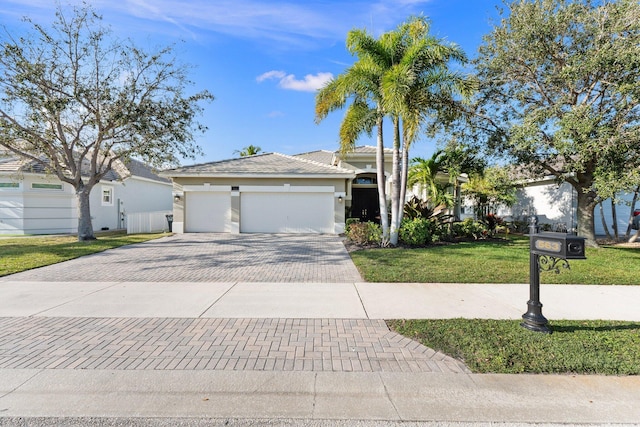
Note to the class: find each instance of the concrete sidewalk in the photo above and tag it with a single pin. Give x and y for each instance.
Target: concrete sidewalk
(313, 300)
(282, 354)
(230, 396)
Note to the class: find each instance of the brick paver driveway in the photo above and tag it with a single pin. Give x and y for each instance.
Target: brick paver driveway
(211, 258)
(249, 344)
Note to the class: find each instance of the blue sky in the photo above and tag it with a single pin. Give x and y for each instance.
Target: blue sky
(263, 60)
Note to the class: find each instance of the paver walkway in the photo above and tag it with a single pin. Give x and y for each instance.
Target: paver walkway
(333, 345)
(211, 257)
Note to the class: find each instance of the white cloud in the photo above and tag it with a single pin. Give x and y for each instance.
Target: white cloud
(274, 74)
(310, 83)
(289, 23)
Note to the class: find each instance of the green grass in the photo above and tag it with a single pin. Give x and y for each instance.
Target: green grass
(24, 253)
(503, 346)
(504, 261)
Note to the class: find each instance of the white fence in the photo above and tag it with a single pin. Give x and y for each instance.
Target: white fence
(147, 222)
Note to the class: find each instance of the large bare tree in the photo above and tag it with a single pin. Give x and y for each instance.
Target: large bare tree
(79, 101)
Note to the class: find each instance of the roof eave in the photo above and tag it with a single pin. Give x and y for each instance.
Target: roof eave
(257, 175)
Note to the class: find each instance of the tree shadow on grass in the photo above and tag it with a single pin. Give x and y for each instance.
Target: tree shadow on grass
(559, 329)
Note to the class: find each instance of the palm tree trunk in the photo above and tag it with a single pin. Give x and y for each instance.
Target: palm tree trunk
(403, 180)
(382, 195)
(395, 184)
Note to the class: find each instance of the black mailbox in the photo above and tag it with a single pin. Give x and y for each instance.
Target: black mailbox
(558, 245)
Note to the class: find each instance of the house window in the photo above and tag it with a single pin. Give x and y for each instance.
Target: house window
(9, 185)
(107, 196)
(43, 186)
(364, 180)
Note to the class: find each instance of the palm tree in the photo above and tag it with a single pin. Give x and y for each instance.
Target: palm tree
(424, 172)
(419, 87)
(361, 84)
(249, 150)
(458, 159)
(403, 74)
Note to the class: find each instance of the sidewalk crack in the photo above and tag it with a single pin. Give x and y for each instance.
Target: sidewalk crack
(217, 300)
(18, 386)
(361, 302)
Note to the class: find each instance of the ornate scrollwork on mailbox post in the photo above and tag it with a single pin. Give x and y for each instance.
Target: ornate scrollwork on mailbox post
(547, 252)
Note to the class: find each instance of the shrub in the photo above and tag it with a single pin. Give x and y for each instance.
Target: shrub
(349, 222)
(470, 228)
(492, 221)
(417, 231)
(364, 232)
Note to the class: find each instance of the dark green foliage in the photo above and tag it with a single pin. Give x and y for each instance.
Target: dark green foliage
(503, 346)
(364, 233)
(470, 228)
(417, 231)
(492, 221)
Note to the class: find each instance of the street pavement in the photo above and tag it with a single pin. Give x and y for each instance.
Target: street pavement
(286, 344)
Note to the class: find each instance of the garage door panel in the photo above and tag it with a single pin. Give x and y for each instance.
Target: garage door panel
(207, 212)
(286, 213)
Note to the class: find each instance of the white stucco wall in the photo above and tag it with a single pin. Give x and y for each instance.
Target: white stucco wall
(28, 210)
(133, 195)
(552, 203)
(555, 204)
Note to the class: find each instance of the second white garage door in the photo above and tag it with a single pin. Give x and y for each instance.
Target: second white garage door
(208, 212)
(286, 213)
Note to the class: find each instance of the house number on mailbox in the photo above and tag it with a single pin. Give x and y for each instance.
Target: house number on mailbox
(548, 245)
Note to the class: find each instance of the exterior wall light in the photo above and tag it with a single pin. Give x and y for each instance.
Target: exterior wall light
(339, 199)
(176, 198)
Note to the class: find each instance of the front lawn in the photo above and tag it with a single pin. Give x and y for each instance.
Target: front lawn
(25, 253)
(503, 346)
(494, 261)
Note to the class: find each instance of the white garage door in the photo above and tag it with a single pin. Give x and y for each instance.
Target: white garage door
(286, 213)
(207, 212)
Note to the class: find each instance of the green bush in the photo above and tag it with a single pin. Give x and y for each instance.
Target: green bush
(348, 223)
(470, 228)
(364, 232)
(417, 231)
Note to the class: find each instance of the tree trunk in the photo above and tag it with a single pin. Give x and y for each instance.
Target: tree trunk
(633, 208)
(586, 223)
(614, 219)
(382, 194)
(85, 227)
(604, 221)
(457, 201)
(395, 184)
(403, 180)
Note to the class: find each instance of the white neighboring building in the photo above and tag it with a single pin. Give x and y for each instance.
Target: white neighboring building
(32, 202)
(555, 205)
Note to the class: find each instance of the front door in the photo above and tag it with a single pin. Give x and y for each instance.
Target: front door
(364, 204)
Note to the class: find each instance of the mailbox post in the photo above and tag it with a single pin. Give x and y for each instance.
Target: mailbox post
(548, 252)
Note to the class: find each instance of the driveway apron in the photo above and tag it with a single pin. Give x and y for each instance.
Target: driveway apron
(211, 258)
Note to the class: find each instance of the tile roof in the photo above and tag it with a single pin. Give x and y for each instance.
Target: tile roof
(10, 162)
(320, 156)
(268, 164)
